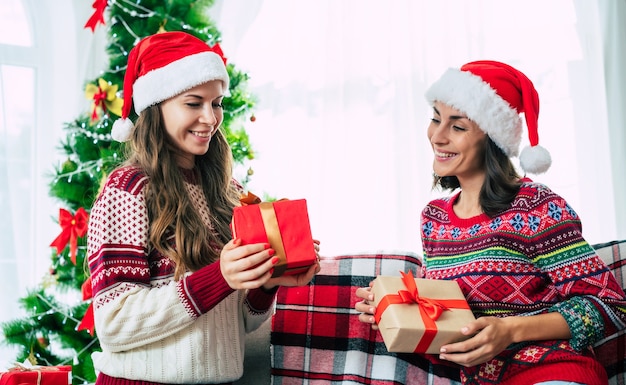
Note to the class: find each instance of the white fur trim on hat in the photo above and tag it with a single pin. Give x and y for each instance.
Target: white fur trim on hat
(122, 129)
(468, 93)
(176, 77)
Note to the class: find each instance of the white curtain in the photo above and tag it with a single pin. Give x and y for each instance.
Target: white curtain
(45, 57)
(613, 29)
(341, 118)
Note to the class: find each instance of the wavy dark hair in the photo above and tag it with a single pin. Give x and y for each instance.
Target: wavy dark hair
(170, 210)
(502, 182)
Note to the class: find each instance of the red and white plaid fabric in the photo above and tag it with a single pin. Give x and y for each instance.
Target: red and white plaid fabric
(317, 338)
(611, 352)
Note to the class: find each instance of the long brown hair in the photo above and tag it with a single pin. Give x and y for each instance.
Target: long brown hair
(502, 182)
(170, 210)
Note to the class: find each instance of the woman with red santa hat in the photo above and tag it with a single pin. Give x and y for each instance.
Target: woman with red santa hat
(541, 295)
(174, 295)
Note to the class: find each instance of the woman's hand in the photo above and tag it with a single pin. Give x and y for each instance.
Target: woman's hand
(364, 307)
(246, 266)
(297, 279)
(492, 336)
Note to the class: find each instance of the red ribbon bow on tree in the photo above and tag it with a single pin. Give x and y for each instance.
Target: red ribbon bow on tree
(98, 15)
(73, 226)
(87, 323)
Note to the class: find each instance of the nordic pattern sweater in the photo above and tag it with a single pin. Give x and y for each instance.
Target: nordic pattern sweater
(530, 259)
(151, 327)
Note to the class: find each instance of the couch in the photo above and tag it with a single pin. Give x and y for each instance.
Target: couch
(314, 337)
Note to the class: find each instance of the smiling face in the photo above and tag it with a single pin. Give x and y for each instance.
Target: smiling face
(192, 118)
(458, 144)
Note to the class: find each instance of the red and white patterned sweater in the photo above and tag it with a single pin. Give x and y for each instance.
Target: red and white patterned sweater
(528, 260)
(151, 327)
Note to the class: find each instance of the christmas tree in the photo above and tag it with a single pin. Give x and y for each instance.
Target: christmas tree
(58, 331)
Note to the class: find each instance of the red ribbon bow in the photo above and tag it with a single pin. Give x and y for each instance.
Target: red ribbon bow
(73, 226)
(430, 309)
(98, 15)
(87, 323)
(98, 101)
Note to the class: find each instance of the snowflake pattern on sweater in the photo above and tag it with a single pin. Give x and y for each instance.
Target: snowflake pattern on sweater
(530, 259)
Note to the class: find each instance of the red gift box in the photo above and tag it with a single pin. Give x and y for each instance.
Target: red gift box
(285, 226)
(37, 375)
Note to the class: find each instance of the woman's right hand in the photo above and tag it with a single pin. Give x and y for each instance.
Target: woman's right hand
(246, 266)
(365, 307)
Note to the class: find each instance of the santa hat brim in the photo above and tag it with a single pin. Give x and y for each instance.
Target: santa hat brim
(471, 95)
(176, 77)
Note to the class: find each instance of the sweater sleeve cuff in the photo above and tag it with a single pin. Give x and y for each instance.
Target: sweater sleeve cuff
(585, 323)
(261, 300)
(204, 289)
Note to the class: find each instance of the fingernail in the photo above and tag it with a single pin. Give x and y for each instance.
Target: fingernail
(272, 252)
(266, 246)
(442, 350)
(272, 271)
(275, 260)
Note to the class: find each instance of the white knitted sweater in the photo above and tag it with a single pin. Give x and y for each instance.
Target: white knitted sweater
(150, 327)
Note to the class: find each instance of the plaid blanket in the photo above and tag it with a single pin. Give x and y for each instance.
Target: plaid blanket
(317, 338)
(612, 351)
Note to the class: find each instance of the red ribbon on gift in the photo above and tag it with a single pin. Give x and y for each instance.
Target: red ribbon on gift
(98, 15)
(73, 226)
(430, 309)
(87, 323)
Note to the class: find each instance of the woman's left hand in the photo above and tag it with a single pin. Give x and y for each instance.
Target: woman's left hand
(491, 336)
(297, 279)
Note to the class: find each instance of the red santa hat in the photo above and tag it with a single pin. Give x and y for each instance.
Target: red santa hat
(493, 95)
(163, 65)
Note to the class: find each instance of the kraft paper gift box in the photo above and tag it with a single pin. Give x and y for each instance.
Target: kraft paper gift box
(417, 315)
(283, 224)
(37, 375)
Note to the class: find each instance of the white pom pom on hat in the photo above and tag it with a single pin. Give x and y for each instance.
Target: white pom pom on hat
(122, 130)
(163, 65)
(493, 94)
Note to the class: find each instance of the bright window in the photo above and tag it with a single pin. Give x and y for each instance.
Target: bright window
(17, 128)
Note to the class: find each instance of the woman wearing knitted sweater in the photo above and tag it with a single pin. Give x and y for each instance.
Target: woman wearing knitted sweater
(541, 295)
(173, 295)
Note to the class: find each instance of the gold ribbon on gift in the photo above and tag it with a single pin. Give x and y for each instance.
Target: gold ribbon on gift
(273, 236)
(430, 309)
